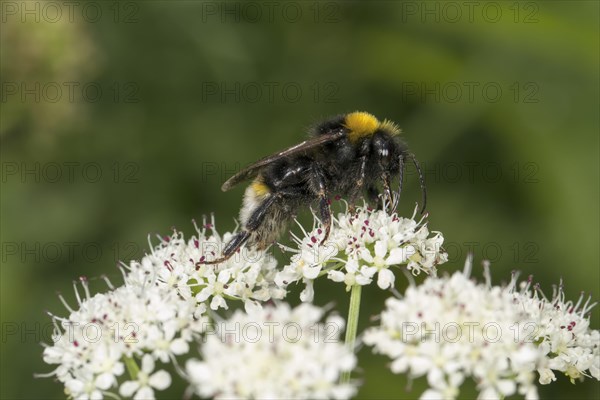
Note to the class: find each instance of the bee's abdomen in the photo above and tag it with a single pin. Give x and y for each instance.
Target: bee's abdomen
(255, 194)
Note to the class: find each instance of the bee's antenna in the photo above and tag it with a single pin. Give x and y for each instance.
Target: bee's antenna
(421, 181)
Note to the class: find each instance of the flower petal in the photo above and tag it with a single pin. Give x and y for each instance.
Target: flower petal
(147, 364)
(179, 346)
(160, 380)
(385, 278)
(311, 272)
(381, 248)
(145, 393)
(397, 256)
(217, 302)
(336, 276)
(308, 293)
(128, 388)
(105, 381)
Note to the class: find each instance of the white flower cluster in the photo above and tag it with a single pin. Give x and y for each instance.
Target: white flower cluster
(110, 330)
(274, 353)
(563, 334)
(153, 316)
(450, 329)
(447, 329)
(360, 245)
(247, 275)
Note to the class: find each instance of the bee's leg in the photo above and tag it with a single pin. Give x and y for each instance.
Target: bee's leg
(319, 187)
(232, 246)
(325, 212)
(359, 184)
(258, 216)
(373, 193)
(253, 223)
(401, 181)
(387, 191)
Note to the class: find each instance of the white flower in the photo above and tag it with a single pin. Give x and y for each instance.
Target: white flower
(145, 315)
(143, 387)
(381, 260)
(274, 352)
(164, 343)
(353, 275)
(563, 333)
(442, 387)
(215, 286)
(84, 385)
(107, 364)
(361, 244)
(451, 328)
(156, 313)
(248, 275)
(546, 376)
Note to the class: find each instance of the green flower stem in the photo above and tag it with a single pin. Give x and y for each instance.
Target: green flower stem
(132, 367)
(352, 325)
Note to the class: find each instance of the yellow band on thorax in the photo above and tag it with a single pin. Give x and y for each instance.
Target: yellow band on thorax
(360, 124)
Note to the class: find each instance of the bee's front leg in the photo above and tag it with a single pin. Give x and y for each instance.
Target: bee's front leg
(387, 191)
(325, 212)
(374, 196)
(400, 181)
(319, 187)
(359, 184)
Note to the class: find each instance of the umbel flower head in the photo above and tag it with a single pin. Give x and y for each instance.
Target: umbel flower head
(563, 333)
(363, 245)
(247, 276)
(94, 343)
(451, 328)
(153, 317)
(274, 353)
(447, 329)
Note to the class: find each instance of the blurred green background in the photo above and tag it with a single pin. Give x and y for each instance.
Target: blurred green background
(122, 119)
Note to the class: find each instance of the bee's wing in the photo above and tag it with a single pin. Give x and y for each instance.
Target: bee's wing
(253, 169)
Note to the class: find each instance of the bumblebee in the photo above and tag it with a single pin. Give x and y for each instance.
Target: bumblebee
(348, 155)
